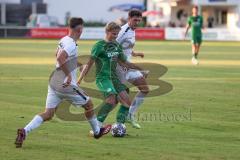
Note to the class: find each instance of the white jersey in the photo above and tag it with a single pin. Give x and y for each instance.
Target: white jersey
(56, 92)
(126, 38)
(70, 47)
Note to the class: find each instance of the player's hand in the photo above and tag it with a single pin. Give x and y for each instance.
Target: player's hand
(68, 81)
(145, 73)
(79, 82)
(141, 55)
(204, 29)
(185, 36)
(138, 54)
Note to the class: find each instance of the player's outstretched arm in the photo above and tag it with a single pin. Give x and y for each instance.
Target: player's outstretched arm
(85, 70)
(129, 65)
(135, 54)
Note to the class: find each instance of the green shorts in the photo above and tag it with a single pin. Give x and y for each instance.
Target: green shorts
(108, 87)
(197, 40)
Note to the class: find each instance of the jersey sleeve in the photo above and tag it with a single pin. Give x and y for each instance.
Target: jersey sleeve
(68, 47)
(121, 55)
(121, 36)
(96, 50)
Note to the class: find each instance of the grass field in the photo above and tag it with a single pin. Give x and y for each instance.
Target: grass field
(200, 116)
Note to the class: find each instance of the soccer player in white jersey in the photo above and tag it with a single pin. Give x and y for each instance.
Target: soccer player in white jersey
(126, 38)
(68, 89)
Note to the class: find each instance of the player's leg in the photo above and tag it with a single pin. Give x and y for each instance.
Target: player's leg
(124, 108)
(103, 111)
(39, 119)
(197, 49)
(98, 131)
(109, 92)
(79, 98)
(141, 84)
(194, 53)
(123, 111)
(137, 79)
(33, 124)
(106, 107)
(196, 43)
(51, 103)
(125, 101)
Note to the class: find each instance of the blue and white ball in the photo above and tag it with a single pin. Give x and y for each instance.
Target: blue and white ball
(118, 130)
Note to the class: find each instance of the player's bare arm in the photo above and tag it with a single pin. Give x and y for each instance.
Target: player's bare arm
(85, 70)
(186, 31)
(61, 58)
(129, 65)
(137, 54)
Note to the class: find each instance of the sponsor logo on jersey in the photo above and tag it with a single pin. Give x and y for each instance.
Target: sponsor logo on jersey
(112, 54)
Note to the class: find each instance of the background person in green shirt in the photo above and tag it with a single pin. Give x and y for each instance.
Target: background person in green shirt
(107, 54)
(196, 23)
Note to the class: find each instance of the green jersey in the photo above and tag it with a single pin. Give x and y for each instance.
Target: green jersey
(196, 23)
(106, 56)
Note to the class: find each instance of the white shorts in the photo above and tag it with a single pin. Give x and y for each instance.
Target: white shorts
(126, 75)
(76, 98)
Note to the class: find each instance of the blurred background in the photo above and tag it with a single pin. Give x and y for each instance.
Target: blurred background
(163, 19)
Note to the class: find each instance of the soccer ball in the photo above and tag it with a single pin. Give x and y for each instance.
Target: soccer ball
(118, 130)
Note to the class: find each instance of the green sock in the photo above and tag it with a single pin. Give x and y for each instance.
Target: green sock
(103, 112)
(122, 114)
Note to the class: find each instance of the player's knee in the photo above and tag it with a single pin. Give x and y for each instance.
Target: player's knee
(48, 115)
(112, 100)
(88, 106)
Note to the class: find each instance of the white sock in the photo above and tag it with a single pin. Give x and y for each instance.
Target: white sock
(94, 124)
(138, 100)
(100, 124)
(36, 122)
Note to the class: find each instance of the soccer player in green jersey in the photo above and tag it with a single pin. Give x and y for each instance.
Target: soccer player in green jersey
(107, 54)
(196, 23)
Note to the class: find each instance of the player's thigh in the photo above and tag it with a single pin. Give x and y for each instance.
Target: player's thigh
(124, 98)
(111, 99)
(106, 87)
(121, 73)
(52, 100)
(199, 40)
(118, 85)
(196, 41)
(141, 84)
(132, 75)
(88, 105)
(77, 98)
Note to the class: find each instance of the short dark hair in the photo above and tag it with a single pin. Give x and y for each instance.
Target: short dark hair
(73, 22)
(134, 12)
(196, 7)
